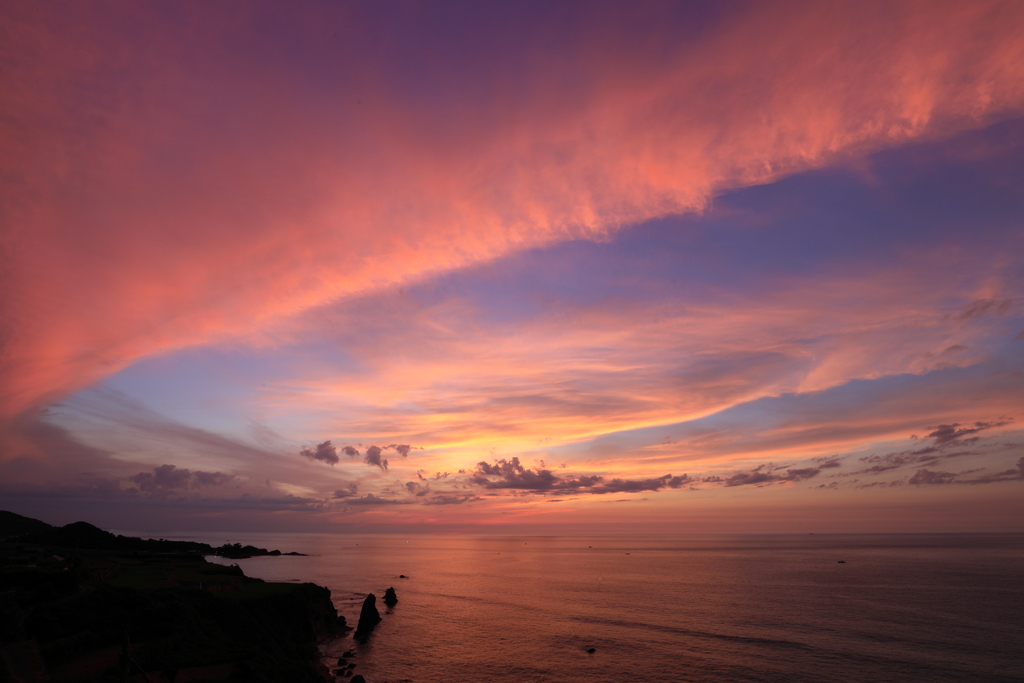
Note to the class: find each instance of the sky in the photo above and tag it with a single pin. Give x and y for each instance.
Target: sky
(459, 267)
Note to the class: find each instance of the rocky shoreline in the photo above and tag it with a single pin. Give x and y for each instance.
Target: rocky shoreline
(81, 604)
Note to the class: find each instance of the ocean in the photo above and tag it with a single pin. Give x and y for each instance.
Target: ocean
(659, 609)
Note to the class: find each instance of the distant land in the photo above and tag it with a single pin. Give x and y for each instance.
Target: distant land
(80, 603)
(85, 535)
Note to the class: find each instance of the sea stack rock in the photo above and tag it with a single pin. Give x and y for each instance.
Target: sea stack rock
(390, 598)
(368, 616)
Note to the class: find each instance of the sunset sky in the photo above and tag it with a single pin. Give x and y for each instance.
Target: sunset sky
(542, 267)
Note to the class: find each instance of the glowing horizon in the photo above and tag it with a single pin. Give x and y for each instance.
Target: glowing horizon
(745, 267)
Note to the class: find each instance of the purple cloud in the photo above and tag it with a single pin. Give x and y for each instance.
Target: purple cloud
(945, 434)
(166, 478)
(324, 452)
(347, 491)
(511, 474)
(757, 476)
(373, 458)
(417, 489)
(450, 500)
(370, 499)
(924, 477)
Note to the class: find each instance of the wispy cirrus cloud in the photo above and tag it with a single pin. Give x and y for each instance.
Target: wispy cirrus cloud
(130, 239)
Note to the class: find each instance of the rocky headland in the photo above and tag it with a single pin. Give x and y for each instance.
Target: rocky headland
(81, 604)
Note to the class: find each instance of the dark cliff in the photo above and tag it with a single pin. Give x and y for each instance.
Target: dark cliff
(68, 616)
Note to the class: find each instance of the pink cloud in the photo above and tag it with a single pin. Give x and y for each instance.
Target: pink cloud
(183, 178)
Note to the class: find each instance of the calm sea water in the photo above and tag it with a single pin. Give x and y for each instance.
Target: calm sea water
(659, 609)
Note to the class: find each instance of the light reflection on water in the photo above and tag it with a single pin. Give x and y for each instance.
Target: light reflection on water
(697, 608)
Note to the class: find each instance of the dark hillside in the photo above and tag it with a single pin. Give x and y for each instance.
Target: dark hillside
(85, 536)
(16, 525)
(73, 598)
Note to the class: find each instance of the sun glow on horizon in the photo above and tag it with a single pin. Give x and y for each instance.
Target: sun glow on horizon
(737, 266)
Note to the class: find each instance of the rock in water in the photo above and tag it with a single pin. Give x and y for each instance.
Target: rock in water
(358, 679)
(390, 598)
(368, 616)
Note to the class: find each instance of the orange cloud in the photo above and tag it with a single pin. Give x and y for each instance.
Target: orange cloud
(439, 376)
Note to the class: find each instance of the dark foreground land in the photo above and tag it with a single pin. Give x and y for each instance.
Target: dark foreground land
(75, 600)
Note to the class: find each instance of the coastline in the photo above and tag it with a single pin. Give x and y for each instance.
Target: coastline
(78, 603)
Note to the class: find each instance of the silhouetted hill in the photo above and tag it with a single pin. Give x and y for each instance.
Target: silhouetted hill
(80, 534)
(85, 536)
(76, 598)
(12, 524)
